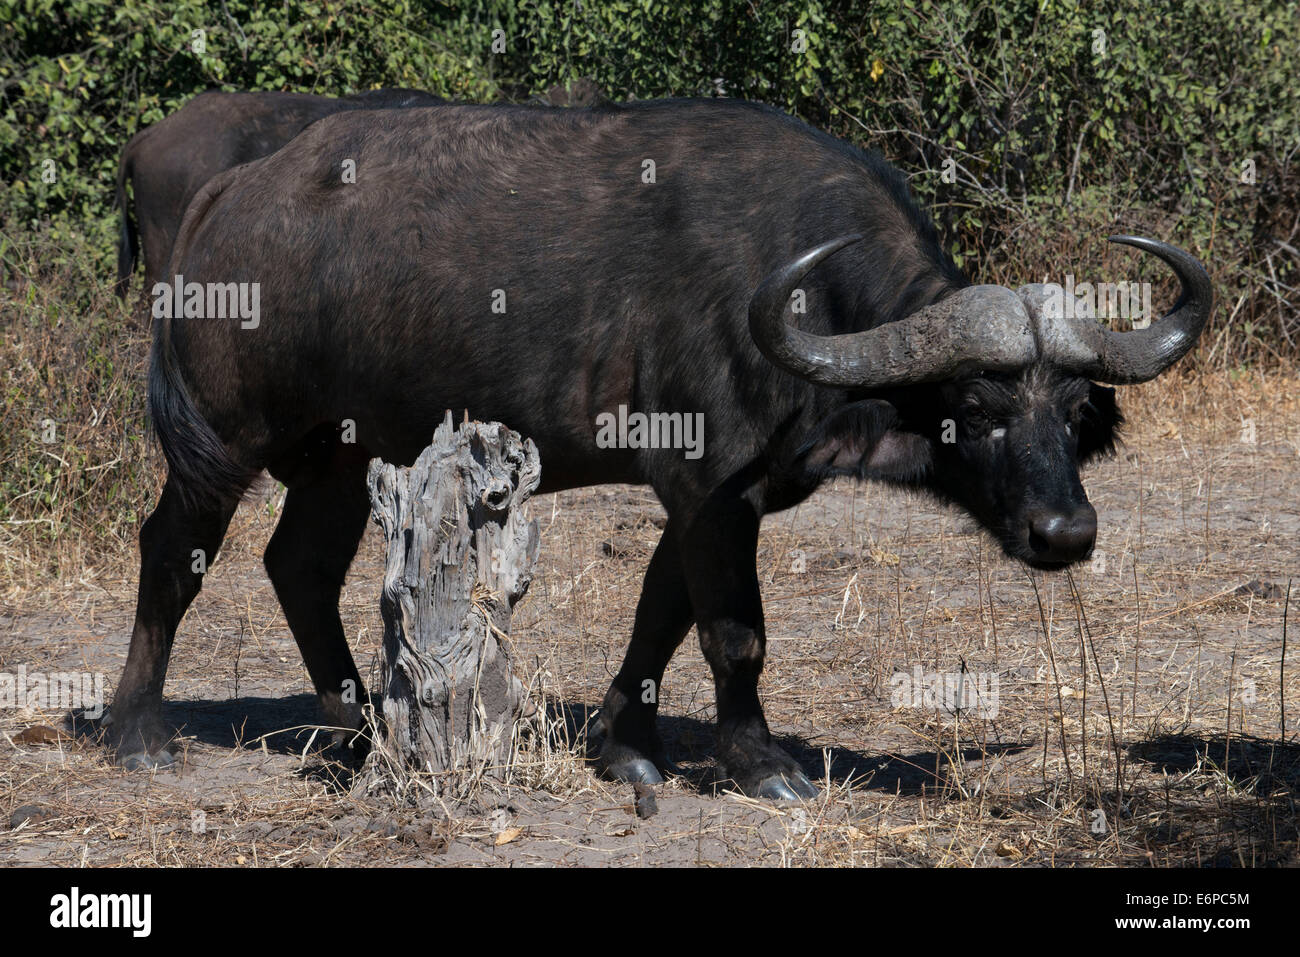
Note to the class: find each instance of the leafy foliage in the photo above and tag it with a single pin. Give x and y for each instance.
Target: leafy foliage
(1032, 128)
(1032, 106)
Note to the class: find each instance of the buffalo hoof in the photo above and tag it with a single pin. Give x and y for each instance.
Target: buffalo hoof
(790, 786)
(144, 761)
(760, 768)
(351, 746)
(636, 771)
(622, 763)
(139, 741)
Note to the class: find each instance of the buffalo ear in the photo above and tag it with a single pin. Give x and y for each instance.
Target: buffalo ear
(1099, 427)
(865, 440)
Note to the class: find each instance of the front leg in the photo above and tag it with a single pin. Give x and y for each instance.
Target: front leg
(719, 551)
(631, 749)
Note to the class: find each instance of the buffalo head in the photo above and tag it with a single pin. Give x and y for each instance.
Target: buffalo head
(988, 398)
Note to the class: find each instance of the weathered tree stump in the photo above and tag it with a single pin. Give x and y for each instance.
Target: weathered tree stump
(460, 555)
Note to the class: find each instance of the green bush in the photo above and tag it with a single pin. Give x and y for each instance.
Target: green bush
(1048, 115)
(80, 77)
(1031, 128)
(1039, 109)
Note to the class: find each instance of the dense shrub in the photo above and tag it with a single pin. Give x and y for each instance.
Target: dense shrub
(1040, 111)
(1030, 127)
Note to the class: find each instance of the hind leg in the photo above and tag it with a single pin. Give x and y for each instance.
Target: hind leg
(307, 560)
(174, 541)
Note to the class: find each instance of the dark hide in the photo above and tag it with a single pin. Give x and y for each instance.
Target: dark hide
(376, 307)
(582, 92)
(168, 162)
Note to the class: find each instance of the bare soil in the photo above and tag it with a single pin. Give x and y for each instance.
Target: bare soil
(1149, 722)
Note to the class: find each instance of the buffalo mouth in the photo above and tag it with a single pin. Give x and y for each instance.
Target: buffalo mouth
(1020, 551)
(1026, 549)
(1051, 566)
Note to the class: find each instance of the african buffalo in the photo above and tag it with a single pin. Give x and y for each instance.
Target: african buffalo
(550, 268)
(167, 163)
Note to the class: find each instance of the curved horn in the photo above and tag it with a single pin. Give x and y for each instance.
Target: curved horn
(1082, 345)
(986, 327)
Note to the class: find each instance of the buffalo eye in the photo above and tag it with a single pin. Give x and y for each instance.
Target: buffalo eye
(983, 425)
(1076, 416)
(977, 421)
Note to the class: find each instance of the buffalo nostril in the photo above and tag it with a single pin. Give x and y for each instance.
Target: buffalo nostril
(1063, 537)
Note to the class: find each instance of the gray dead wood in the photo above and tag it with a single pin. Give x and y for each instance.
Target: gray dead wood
(460, 556)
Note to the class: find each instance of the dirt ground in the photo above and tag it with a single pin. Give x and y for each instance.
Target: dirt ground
(1149, 722)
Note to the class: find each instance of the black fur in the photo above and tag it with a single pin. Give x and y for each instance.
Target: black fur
(167, 163)
(376, 308)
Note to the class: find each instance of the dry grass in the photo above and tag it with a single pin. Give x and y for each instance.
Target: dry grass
(77, 469)
(1140, 715)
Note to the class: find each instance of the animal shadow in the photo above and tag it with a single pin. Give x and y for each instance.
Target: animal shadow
(689, 744)
(1244, 816)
